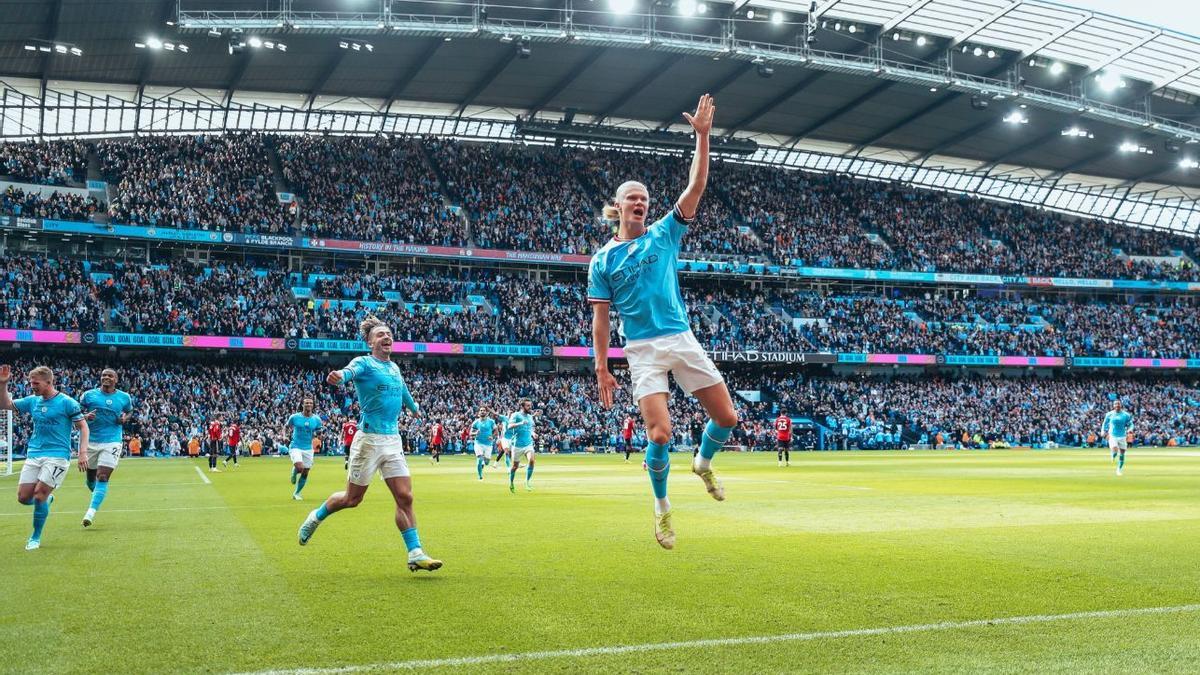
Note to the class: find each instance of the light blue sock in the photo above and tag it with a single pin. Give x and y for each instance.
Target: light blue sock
(300, 483)
(322, 512)
(507, 459)
(411, 540)
(714, 437)
(41, 511)
(1121, 461)
(91, 483)
(479, 462)
(99, 494)
(658, 465)
(528, 472)
(512, 476)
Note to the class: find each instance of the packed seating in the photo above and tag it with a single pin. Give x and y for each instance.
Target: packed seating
(213, 182)
(45, 162)
(15, 201)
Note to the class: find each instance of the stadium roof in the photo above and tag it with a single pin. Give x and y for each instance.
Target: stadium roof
(849, 76)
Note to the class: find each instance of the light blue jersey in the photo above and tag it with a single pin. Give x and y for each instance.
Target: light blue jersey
(639, 278)
(382, 394)
(510, 432)
(303, 430)
(53, 420)
(1116, 423)
(106, 427)
(484, 428)
(523, 423)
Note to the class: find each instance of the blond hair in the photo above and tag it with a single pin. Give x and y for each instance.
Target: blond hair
(42, 373)
(369, 324)
(612, 211)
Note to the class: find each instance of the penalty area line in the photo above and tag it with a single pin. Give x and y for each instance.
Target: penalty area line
(202, 476)
(730, 642)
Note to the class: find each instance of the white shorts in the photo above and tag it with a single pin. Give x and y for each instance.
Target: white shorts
(48, 470)
(1118, 443)
(301, 456)
(483, 450)
(526, 451)
(505, 444)
(376, 452)
(103, 455)
(680, 355)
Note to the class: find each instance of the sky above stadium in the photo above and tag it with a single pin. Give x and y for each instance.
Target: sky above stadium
(1179, 15)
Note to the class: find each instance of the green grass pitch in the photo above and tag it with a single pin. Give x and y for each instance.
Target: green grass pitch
(180, 575)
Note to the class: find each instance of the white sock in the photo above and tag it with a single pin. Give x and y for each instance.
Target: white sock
(703, 463)
(415, 553)
(661, 506)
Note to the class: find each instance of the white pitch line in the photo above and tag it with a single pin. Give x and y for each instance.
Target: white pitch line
(202, 476)
(729, 642)
(177, 508)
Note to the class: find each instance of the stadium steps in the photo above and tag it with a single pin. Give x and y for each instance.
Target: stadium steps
(270, 142)
(451, 199)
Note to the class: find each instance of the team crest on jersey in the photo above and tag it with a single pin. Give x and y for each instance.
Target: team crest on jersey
(44, 409)
(108, 402)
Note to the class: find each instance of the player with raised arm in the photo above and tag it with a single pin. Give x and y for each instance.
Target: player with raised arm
(482, 429)
(107, 410)
(635, 274)
(304, 426)
(1116, 426)
(521, 422)
(783, 439)
(49, 451)
(378, 446)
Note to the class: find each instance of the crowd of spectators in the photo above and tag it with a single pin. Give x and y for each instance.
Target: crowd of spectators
(369, 189)
(480, 305)
(207, 182)
(44, 162)
(541, 198)
(15, 201)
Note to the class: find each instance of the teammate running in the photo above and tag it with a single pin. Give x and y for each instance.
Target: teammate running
(635, 273)
(233, 438)
(107, 410)
(49, 450)
(783, 439)
(506, 438)
(1116, 426)
(482, 429)
(521, 422)
(214, 443)
(304, 426)
(382, 395)
(349, 428)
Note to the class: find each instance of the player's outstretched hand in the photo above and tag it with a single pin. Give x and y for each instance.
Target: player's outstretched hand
(91, 416)
(702, 119)
(607, 384)
(334, 377)
(5, 373)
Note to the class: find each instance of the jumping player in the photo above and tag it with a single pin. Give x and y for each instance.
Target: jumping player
(635, 273)
(521, 422)
(305, 425)
(349, 428)
(49, 454)
(107, 410)
(783, 439)
(382, 395)
(482, 428)
(214, 443)
(1115, 428)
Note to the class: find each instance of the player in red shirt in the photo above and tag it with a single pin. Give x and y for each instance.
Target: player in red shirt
(234, 437)
(349, 428)
(783, 439)
(436, 441)
(627, 435)
(214, 443)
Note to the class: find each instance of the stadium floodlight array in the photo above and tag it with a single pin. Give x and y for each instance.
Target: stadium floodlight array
(158, 44)
(48, 47)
